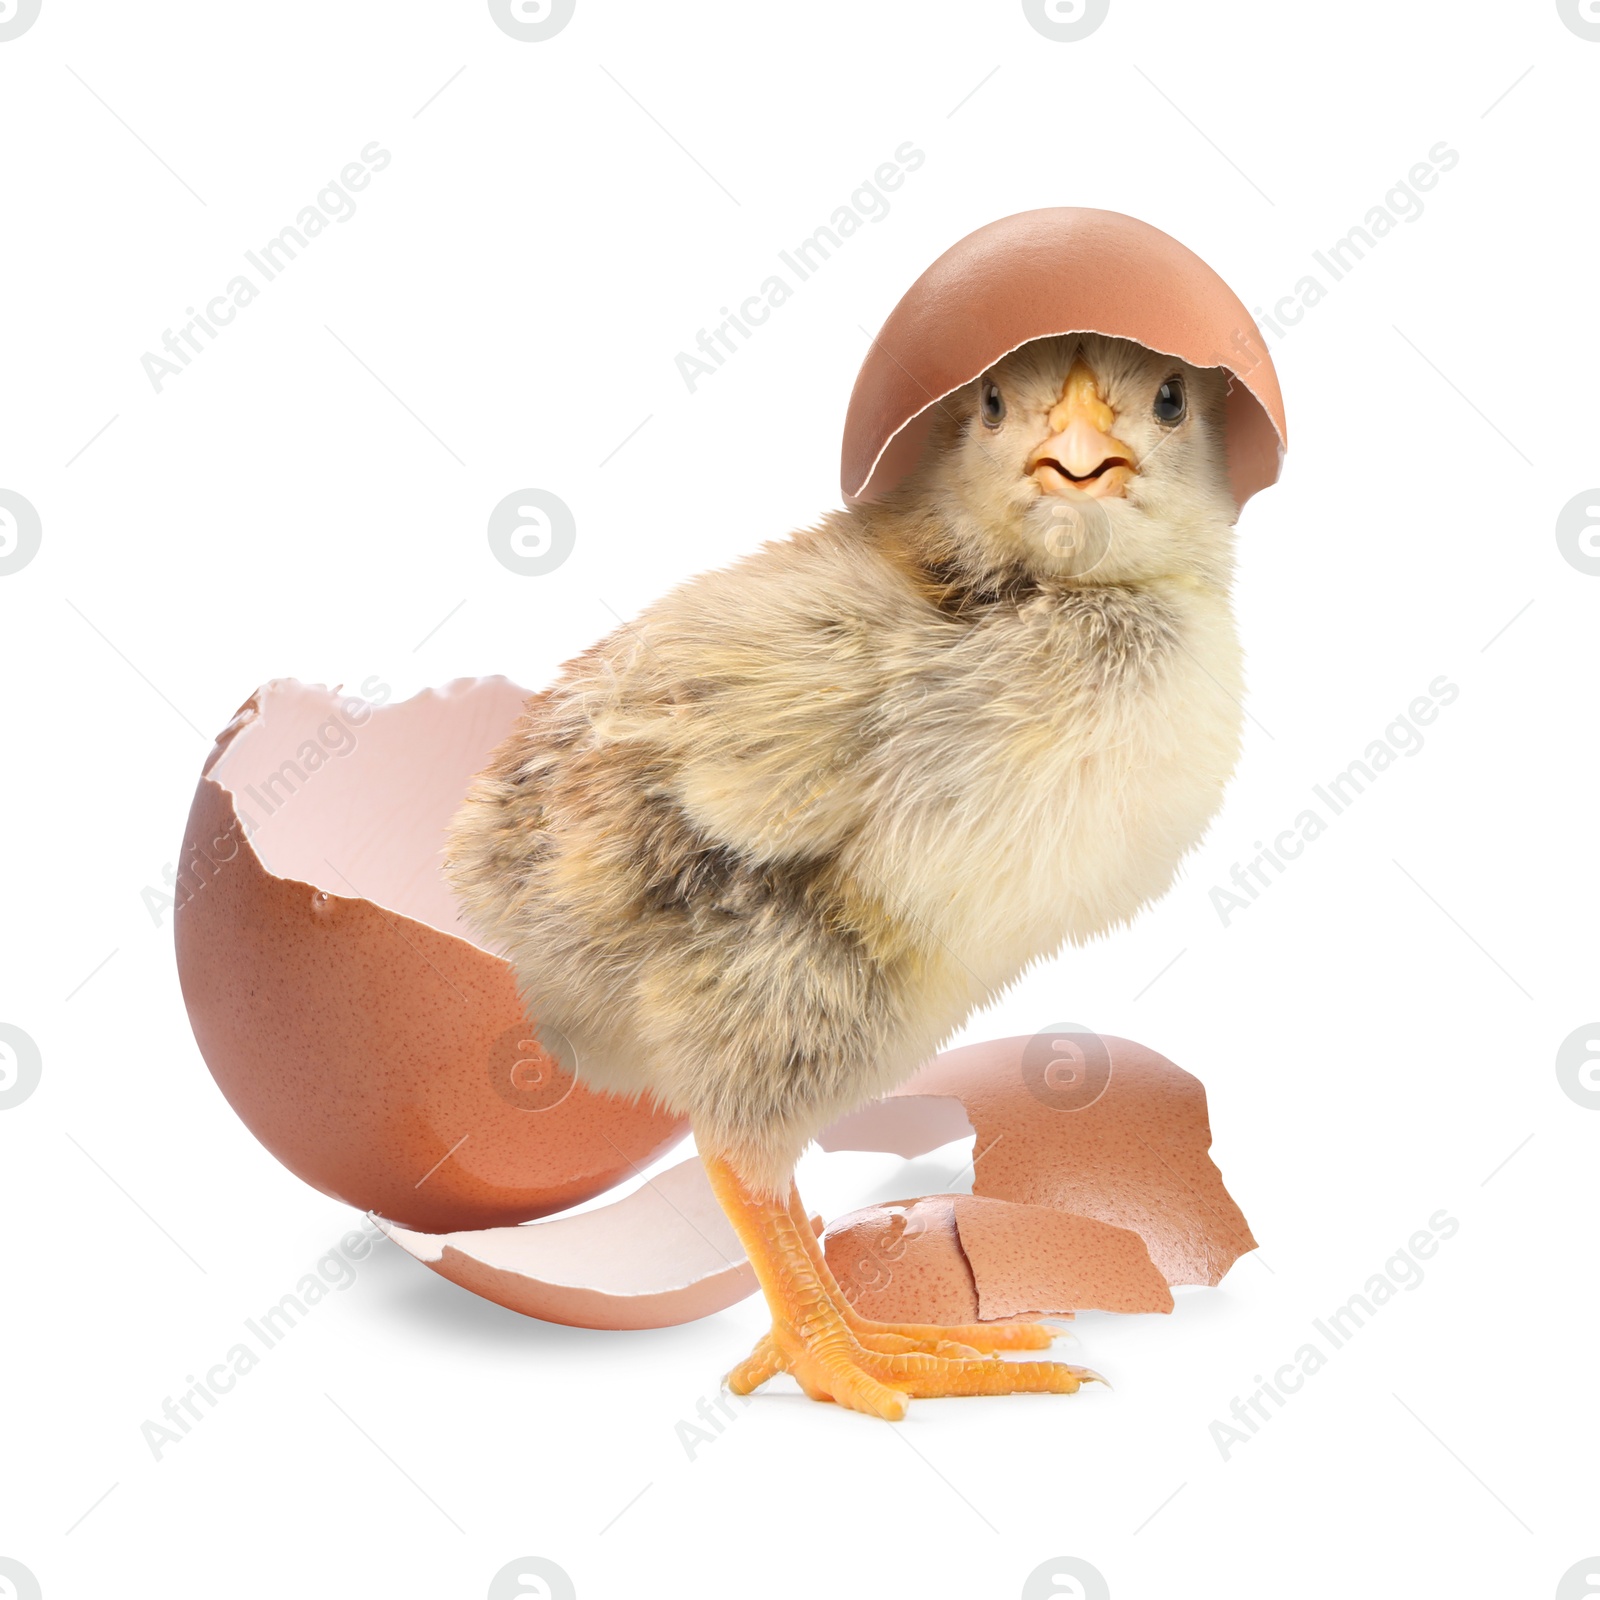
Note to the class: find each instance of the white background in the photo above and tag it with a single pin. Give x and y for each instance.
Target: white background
(1378, 1032)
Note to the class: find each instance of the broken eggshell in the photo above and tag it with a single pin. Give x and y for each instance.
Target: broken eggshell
(1094, 1204)
(344, 1010)
(1124, 1140)
(1061, 269)
(957, 1258)
(662, 1255)
(385, 1058)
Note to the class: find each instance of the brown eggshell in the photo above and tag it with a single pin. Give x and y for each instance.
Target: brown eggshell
(343, 1009)
(903, 1262)
(1063, 269)
(1034, 1259)
(965, 1258)
(662, 1255)
(1136, 1156)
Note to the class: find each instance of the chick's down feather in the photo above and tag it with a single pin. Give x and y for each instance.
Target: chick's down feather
(763, 849)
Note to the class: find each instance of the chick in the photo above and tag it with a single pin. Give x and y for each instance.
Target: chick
(760, 852)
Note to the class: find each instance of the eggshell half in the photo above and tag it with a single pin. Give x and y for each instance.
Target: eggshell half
(1062, 269)
(966, 1258)
(1136, 1157)
(664, 1254)
(342, 1007)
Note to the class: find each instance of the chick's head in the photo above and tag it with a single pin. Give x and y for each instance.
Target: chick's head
(1085, 458)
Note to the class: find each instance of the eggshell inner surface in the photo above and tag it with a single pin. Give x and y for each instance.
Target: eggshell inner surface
(662, 1255)
(1057, 270)
(342, 1007)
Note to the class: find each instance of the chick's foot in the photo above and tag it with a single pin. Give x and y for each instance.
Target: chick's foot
(835, 1355)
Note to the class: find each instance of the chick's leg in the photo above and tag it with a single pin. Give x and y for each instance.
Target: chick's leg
(809, 1337)
(812, 1339)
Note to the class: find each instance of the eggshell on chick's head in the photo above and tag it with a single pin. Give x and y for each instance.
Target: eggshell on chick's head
(343, 1009)
(1062, 269)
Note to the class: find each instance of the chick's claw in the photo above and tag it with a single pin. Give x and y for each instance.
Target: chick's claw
(828, 1367)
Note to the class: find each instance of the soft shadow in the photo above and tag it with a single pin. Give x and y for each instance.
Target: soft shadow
(1192, 1305)
(925, 1176)
(947, 1170)
(397, 1289)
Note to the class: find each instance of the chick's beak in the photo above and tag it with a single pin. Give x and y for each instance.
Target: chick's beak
(1081, 457)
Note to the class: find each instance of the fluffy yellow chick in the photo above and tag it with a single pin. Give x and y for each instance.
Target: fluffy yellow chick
(760, 852)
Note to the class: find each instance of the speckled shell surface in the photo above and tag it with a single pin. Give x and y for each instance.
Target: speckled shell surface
(1035, 1259)
(1136, 1156)
(370, 1050)
(902, 1262)
(1061, 269)
(966, 1258)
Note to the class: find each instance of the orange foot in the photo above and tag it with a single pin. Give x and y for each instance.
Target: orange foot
(834, 1354)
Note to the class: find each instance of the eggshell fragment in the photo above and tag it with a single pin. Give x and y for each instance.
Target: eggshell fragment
(664, 1254)
(965, 1258)
(343, 1009)
(1031, 1259)
(903, 1262)
(1062, 269)
(1136, 1156)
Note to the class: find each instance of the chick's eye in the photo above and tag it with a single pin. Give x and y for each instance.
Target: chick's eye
(992, 404)
(1170, 402)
